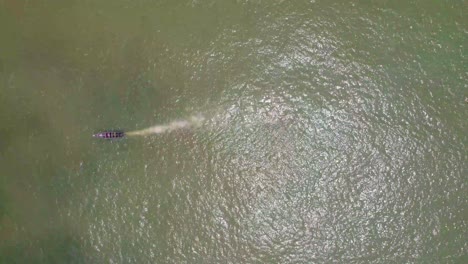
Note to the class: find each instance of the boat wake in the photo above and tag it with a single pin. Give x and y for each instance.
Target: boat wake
(193, 121)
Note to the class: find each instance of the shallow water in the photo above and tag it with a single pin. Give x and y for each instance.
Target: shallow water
(334, 132)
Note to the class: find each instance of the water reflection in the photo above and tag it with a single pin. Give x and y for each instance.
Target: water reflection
(330, 133)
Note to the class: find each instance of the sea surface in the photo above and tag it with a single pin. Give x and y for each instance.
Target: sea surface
(332, 131)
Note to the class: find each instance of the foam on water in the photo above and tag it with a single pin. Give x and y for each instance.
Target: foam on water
(193, 121)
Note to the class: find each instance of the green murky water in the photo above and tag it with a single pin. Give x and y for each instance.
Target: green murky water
(335, 131)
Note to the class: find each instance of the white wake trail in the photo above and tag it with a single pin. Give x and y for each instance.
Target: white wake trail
(193, 121)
